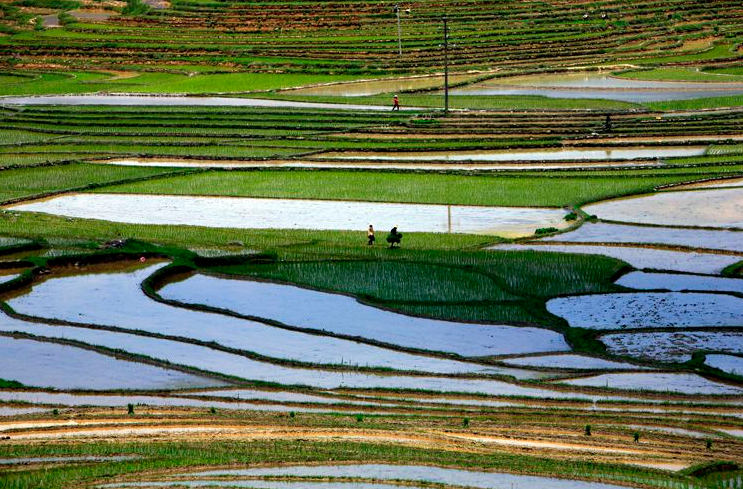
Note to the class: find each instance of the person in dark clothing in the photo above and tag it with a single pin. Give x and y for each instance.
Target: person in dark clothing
(394, 237)
(370, 235)
(395, 103)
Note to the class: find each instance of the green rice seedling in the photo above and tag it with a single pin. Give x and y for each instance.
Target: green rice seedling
(31, 182)
(555, 188)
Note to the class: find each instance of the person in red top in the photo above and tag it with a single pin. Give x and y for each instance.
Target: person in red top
(395, 103)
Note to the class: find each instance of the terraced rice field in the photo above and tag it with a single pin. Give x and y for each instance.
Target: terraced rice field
(190, 299)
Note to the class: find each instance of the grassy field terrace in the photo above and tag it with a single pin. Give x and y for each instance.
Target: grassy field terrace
(360, 37)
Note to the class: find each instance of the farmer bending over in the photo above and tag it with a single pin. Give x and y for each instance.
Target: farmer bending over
(394, 237)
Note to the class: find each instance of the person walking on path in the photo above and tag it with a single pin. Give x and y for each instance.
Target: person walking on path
(395, 103)
(370, 235)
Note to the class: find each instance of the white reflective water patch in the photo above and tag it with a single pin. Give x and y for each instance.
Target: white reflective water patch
(41, 364)
(658, 382)
(678, 282)
(604, 232)
(561, 154)
(116, 299)
(258, 213)
(341, 314)
(414, 473)
(570, 361)
(727, 363)
(719, 208)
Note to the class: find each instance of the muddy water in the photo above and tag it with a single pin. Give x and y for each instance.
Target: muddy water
(259, 213)
(599, 86)
(35, 363)
(563, 154)
(713, 208)
(672, 346)
(722, 183)
(92, 15)
(116, 300)
(175, 100)
(370, 165)
(414, 473)
(374, 87)
(341, 314)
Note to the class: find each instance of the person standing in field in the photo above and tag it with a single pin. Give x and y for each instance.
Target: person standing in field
(370, 235)
(395, 103)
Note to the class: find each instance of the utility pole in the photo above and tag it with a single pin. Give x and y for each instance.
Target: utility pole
(446, 66)
(399, 30)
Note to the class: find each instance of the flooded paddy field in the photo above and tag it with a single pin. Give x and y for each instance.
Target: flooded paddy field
(663, 382)
(603, 232)
(374, 87)
(375, 164)
(191, 280)
(563, 154)
(127, 307)
(407, 473)
(310, 348)
(44, 364)
(110, 310)
(727, 363)
(69, 400)
(344, 315)
(180, 101)
(218, 361)
(679, 282)
(717, 208)
(672, 346)
(258, 213)
(570, 361)
(650, 310)
(599, 86)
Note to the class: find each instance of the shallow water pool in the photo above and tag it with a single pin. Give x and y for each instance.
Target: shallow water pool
(259, 213)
